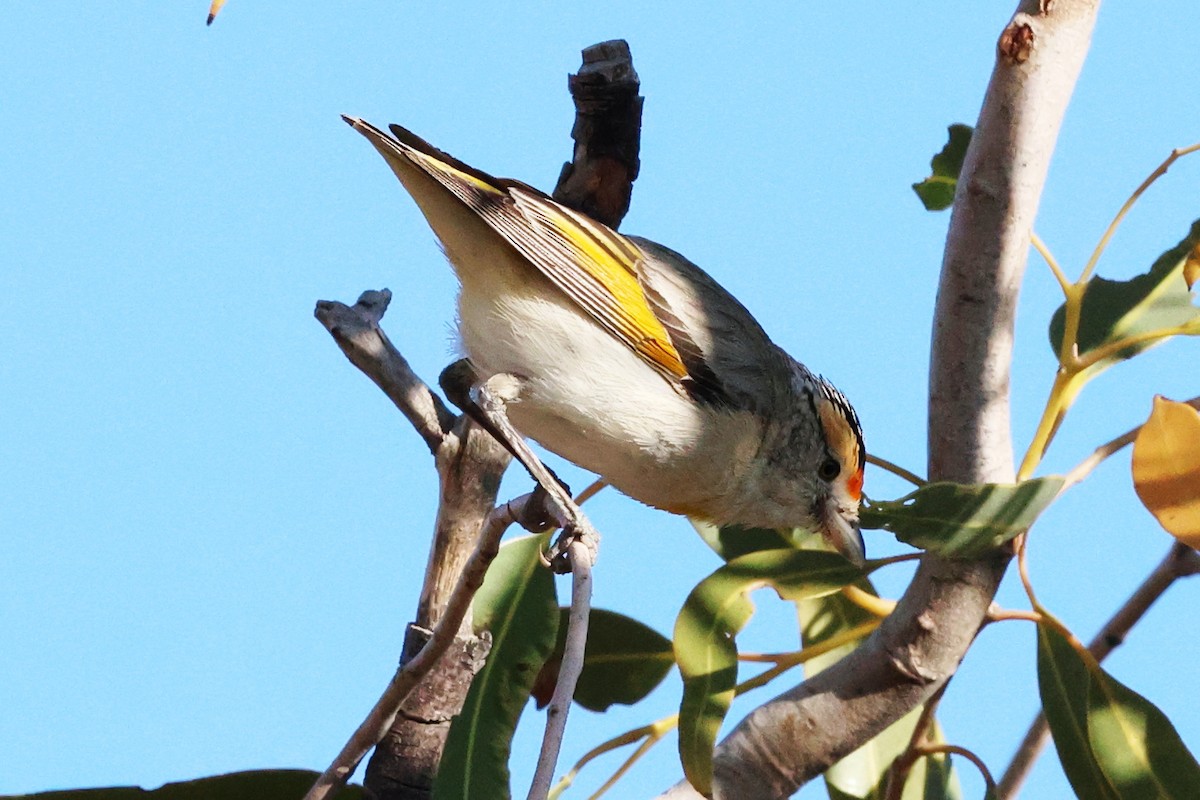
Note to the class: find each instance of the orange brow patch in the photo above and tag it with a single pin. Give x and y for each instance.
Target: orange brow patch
(854, 485)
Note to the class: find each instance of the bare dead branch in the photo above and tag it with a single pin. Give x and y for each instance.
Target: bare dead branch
(1180, 562)
(607, 133)
(469, 464)
(356, 330)
(377, 723)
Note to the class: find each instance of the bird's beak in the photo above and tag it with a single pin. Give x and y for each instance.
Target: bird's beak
(843, 534)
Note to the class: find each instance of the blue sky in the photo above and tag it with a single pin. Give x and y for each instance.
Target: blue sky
(213, 529)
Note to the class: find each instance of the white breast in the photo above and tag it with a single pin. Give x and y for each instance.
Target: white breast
(591, 400)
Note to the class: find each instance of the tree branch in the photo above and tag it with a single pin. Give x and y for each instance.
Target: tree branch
(380, 720)
(469, 464)
(607, 133)
(356, 330)
(1180, 562)
(918, 647)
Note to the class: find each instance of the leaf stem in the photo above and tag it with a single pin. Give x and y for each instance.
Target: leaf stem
(872, 604)
(1093, 357)
(1023, 570)
(1161, 170)
(835, 641)
(1051, 262)
(1003, 614)
(897, 470)
(1063, 392)
(1109, 448)
(879, 563)
(953, 749)
(651, 740)
(655, 730)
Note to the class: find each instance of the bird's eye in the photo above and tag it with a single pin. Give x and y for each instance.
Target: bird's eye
(829, 469)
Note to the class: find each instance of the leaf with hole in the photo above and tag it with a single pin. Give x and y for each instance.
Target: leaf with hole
(1116, 310)
(963, 520)
(705, 649)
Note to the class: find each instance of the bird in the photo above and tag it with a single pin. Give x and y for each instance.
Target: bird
(631, 362)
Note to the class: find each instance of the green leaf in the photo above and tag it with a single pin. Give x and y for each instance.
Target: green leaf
(732, 541)
(1062, 682)
(623, 660)
(267, 784)
(715, 611)
(862, 775)
(517, 605)
(963, 520)
(1115, 310)
(937, 191)
(1112, 742)
(1135, 744)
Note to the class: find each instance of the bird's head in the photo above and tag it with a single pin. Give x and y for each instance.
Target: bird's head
(839, 474)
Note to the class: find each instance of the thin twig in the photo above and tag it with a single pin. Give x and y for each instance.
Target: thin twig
(937, 749)
(356, 330)
(896, 469)
(1051, 261)
(1180, 562)
(591, 491)
(902, 766)
(381, 717)
(568, 672)
(1085, 467)
(1161, 170)
(997, 614)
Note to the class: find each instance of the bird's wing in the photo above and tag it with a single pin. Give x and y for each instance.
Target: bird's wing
(729, 357)
(665, 309)
(589, 262)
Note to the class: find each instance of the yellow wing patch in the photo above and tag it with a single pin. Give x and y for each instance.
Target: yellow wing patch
(611, 260)
(590, 263)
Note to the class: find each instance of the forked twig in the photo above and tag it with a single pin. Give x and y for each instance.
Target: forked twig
(381, 717)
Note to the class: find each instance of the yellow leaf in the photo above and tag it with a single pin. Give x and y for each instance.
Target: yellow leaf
(1191, 266)
(1166, 468)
